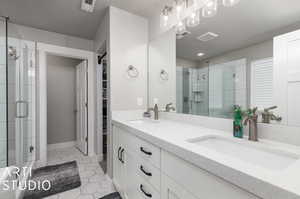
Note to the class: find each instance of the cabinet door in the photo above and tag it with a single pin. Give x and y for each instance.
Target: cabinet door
(131, 176)
(287, 77)
(171, 190)
(117, 165)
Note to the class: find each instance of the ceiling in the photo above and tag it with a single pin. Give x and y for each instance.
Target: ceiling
(250, 22)
(66, 17)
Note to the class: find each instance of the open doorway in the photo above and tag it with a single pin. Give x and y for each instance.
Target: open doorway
(103, 107)
(66, 103)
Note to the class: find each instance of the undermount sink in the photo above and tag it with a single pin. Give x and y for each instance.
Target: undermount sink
(253, 153)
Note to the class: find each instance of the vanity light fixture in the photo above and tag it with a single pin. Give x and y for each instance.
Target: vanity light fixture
(194, 19)
(210, 9)
(165, 16)
(186, 13)
(230, 3)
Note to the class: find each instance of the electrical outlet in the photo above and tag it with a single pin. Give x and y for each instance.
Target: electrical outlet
(140, 101)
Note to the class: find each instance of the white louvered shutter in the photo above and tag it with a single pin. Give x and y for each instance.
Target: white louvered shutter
(262, 83)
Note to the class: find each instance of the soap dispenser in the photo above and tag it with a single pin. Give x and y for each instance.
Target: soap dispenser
(238, 122)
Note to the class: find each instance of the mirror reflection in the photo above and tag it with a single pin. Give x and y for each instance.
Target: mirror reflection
(225, 60)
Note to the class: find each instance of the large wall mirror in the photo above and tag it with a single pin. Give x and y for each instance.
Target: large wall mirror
(228, 60)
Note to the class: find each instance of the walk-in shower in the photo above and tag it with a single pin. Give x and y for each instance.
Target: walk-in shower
(17, 97)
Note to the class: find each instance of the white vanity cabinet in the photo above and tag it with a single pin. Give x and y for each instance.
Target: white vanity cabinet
(136, 174)
(143, 170)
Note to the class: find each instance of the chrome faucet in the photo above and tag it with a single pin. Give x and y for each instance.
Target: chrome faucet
(267, 116)
(251, 119)
(169, 107)
(155, 110)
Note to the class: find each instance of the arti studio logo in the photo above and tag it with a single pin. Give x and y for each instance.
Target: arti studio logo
(15, 174)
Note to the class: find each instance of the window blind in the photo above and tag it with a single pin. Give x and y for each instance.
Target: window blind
(262, 83)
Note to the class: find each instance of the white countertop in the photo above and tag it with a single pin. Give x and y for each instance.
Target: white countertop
(172, 136)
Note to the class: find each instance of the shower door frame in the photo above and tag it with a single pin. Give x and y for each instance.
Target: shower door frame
(47, 49)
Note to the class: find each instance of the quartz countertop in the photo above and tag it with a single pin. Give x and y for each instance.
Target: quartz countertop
(172, 136)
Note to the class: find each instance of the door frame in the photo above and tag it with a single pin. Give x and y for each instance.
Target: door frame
(79, 114)
(48, 49)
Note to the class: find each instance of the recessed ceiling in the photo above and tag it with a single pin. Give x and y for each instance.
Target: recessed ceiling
(66, 17)
(249, 22)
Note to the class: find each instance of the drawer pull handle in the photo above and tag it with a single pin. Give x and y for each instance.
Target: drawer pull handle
(145, 172)
(146, 152)
(144, 192)
(122, 157)
(119, 154)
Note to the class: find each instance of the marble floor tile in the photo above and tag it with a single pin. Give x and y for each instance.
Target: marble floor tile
(94, 183)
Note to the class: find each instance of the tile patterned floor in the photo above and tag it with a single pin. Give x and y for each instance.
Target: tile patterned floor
(94, 183)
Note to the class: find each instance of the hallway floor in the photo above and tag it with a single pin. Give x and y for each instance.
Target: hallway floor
(94, 183)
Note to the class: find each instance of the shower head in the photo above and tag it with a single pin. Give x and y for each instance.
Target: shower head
(12, 53)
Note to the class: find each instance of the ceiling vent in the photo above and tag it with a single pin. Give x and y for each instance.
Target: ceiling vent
(207, 36)
(182, 35)
(88, 5)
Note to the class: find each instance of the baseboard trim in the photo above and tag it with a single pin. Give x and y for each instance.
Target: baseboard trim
(61, 145)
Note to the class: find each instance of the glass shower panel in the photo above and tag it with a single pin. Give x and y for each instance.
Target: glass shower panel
(198, 81)
(21, 92)
(3, 95)
(227, 87)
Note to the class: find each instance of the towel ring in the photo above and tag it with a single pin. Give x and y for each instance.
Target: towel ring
(164, 75)
(132, 71)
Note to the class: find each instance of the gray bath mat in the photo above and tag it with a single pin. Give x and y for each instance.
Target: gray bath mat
(114, 195)
(63, 177)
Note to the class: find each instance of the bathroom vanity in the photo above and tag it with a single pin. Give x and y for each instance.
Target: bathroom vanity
(172, 159)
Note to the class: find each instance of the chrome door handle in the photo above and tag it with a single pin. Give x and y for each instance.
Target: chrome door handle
(18, 103)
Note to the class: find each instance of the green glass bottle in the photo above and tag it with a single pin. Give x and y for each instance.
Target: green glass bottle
(238, 122)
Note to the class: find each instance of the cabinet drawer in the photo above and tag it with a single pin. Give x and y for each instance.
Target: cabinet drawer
(149, 173)
(199, 182)
(142, 189)
(144, 150)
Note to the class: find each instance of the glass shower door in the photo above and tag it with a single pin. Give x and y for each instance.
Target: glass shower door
(3, 94)
(21, 110)
(25, 105)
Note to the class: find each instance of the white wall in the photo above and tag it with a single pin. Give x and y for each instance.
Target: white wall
(162, 55)
(254, 52)
(102, 34)
(186, 63)
(38, 35)
(128, 45)
(61, 99)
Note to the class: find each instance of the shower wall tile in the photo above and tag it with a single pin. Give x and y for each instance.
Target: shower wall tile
(3, 151)
(2, 55)
(2, 163)
(11, 130)
(2, 93)
(2, 73)
(3, 131)
(2, 112)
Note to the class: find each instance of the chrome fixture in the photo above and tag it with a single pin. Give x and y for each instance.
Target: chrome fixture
(132, 71)
(169, 107)
(186, 13)
(164, 75)
(148, 112)
(251, 119)
(267, 116)
(12, 53)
